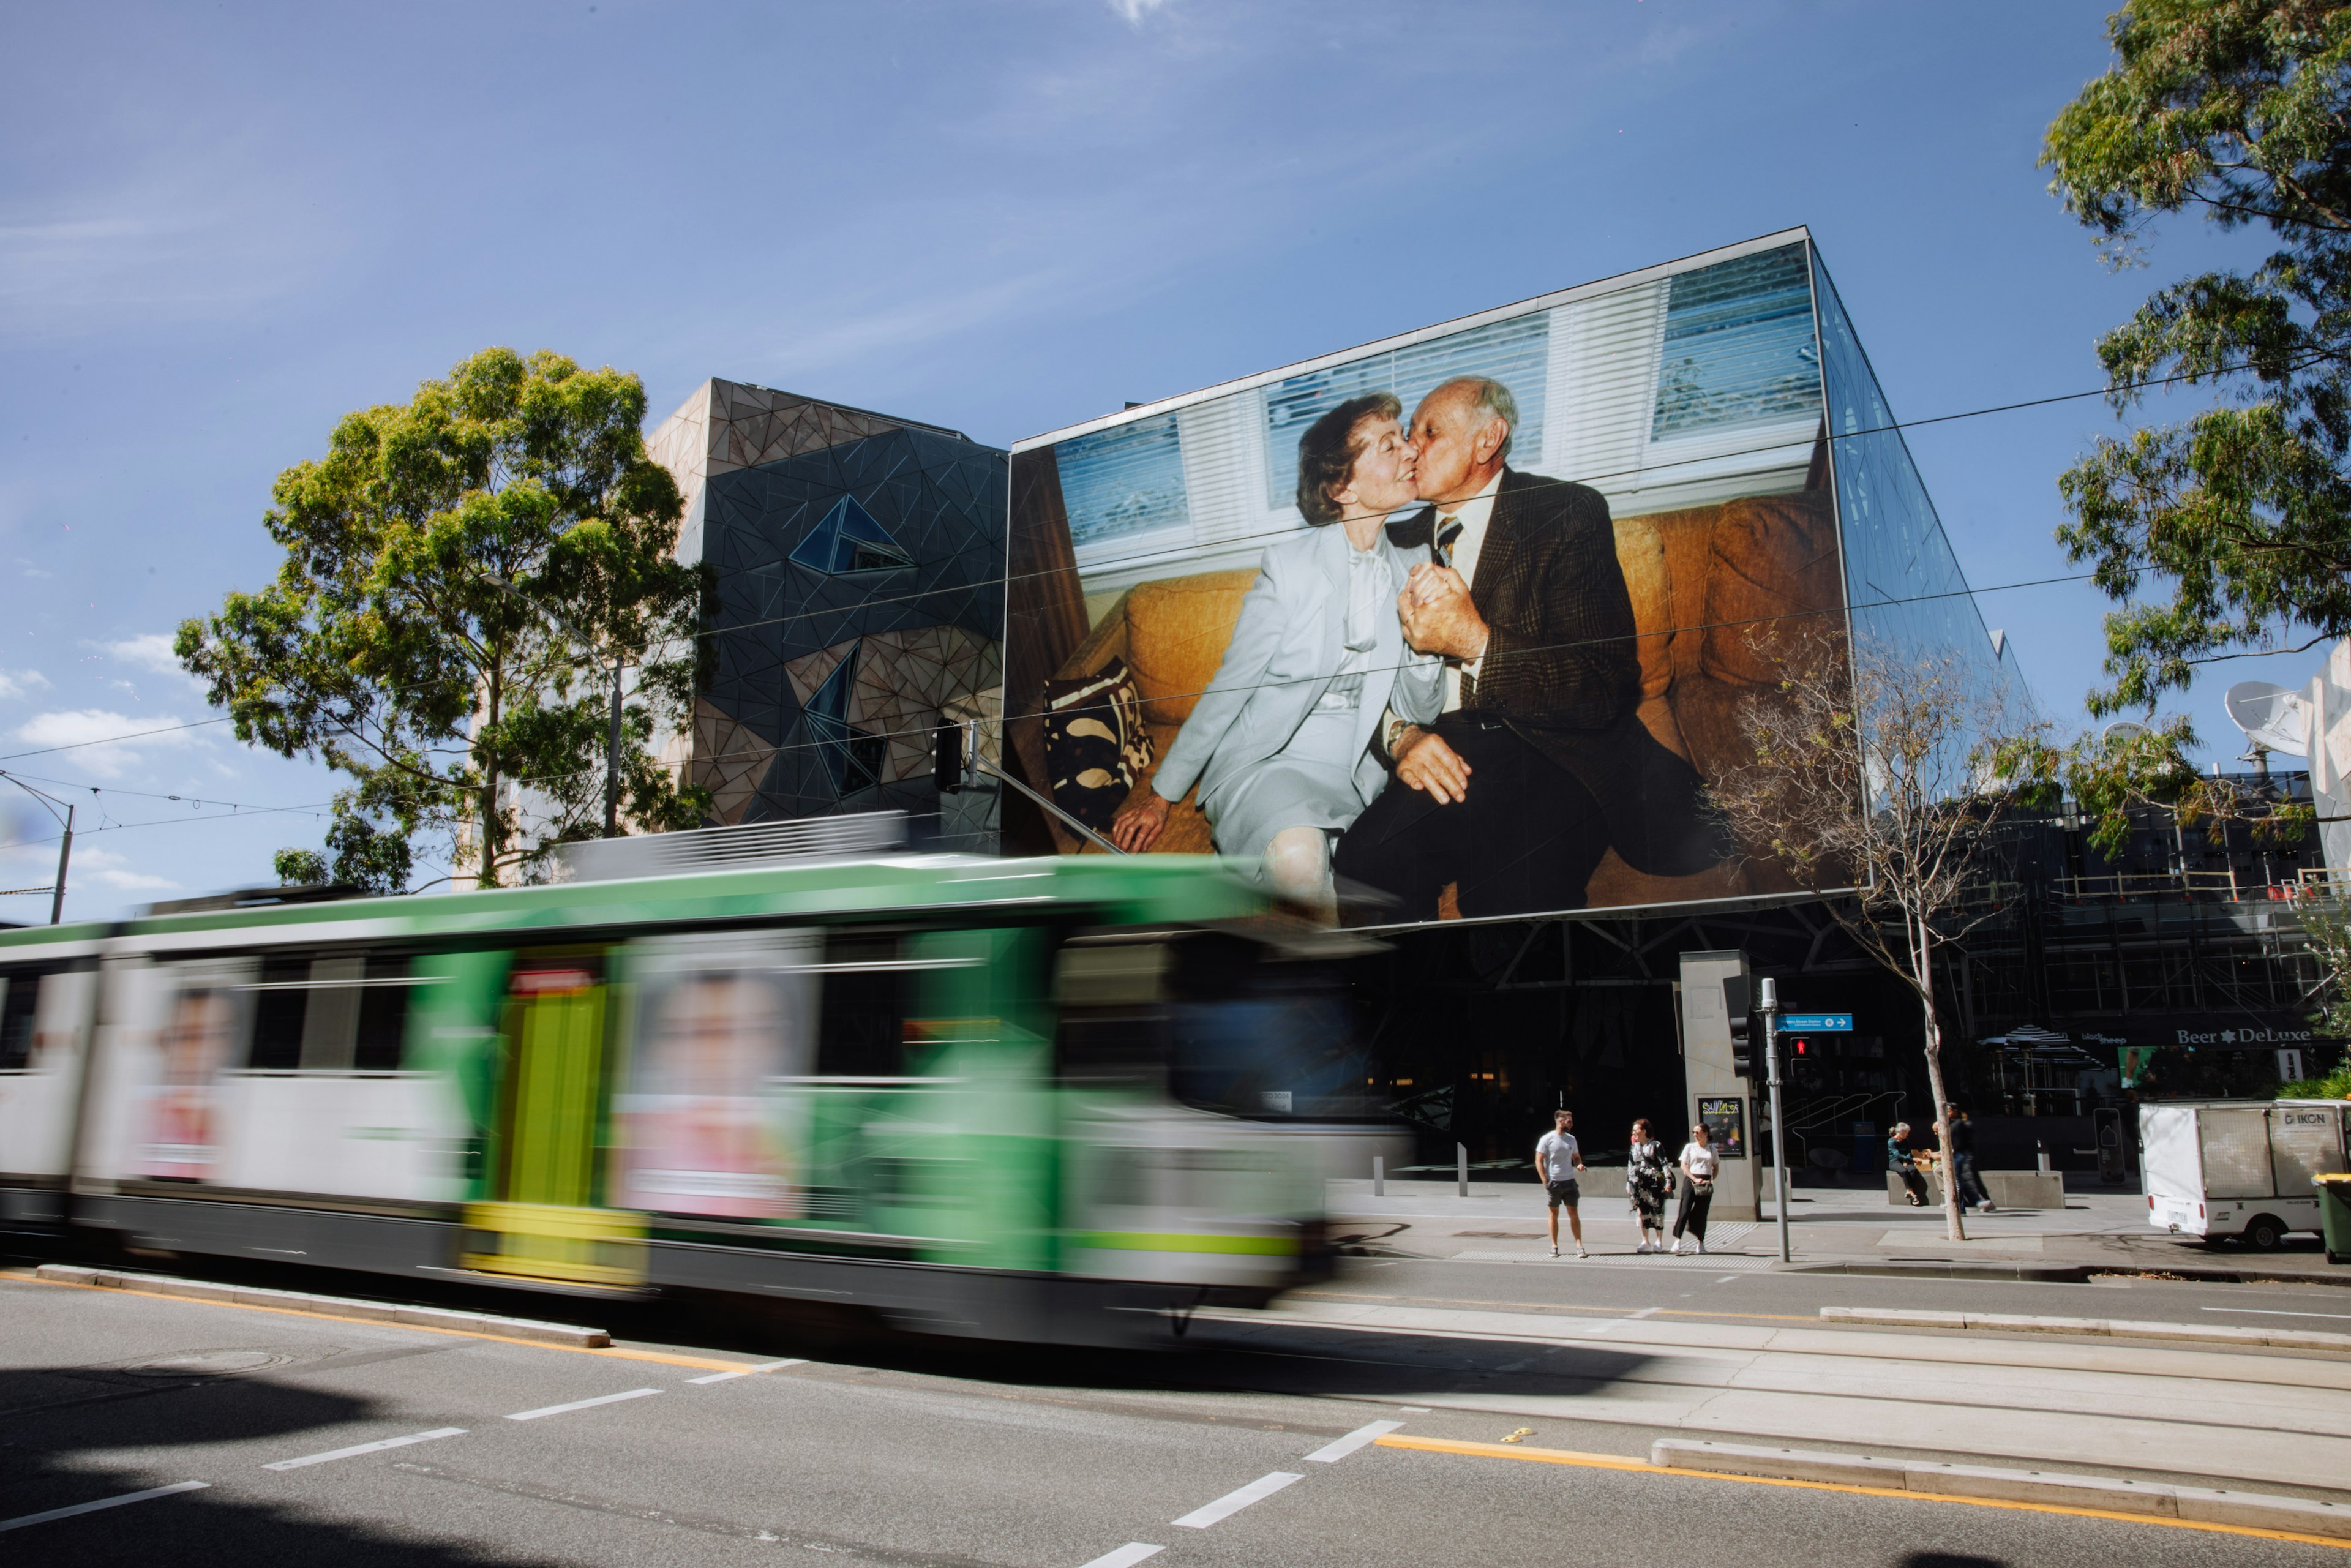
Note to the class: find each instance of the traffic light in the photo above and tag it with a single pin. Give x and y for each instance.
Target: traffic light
(1742, 1036)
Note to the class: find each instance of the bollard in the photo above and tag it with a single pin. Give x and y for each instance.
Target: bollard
(1379, 1176)
(1461, 1170)
(2042, 1156)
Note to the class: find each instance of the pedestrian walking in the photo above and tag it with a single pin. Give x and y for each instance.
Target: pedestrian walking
(1898, 1161)
(1648, 1179)
(1557, 1159)
(1700, 1164)
(1963, 1156)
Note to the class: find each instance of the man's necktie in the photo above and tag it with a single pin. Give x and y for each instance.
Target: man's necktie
(1448, 534)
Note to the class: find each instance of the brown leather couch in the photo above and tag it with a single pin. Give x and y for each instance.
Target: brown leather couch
(1703, 582)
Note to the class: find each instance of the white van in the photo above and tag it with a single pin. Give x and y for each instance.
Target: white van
(2218, 1168)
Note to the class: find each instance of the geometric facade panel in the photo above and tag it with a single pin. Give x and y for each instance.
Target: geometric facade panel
(858, 567)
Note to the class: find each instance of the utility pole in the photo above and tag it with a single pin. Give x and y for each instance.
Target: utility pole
(65, 853)
(65, 850)
(1767, 991)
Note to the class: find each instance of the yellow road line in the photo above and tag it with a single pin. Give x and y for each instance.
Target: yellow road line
(702, 1363)
(1623, 1463)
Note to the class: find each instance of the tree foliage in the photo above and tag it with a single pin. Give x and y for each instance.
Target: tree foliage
(1879, 780)
(459, 572)
(359, 854)
(2235, 110)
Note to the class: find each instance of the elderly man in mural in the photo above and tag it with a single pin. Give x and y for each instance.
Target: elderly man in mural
(1538, 765)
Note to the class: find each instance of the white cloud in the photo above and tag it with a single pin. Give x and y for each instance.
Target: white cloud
(78, 728)
(19, 683)
(108, 869)
(1134, 11)
(148, 651)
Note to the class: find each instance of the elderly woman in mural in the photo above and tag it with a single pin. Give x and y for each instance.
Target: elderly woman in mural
(1280, 742)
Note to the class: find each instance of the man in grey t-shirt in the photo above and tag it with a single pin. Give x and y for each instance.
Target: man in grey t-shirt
(1557, 1159)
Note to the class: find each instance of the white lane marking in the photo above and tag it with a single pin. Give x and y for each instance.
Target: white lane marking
(2273, 1313)
(1414, 1410)
(357, 1448)
(1232, 1502)
(580, 1405)
(1361, 1436)
(23, 1519)
(1648, 1311)
(1126, 1556)
(747, 1370)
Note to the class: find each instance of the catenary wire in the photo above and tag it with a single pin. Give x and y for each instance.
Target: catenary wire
(1638, 469)
(1832, 436)
(1543, 648)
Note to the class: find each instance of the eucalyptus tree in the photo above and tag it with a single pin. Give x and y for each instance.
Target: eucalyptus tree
(459, 572)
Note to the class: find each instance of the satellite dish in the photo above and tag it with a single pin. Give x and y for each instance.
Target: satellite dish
(2121, 730)
(2273, 717)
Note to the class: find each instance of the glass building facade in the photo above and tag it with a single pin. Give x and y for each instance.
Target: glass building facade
(1904, 587)
(857, 562)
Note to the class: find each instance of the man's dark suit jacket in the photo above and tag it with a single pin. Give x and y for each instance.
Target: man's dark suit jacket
(1562, 669)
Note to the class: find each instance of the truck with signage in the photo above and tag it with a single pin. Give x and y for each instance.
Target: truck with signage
(2220, 1169)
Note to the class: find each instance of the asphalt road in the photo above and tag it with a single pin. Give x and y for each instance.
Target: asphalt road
(910, 1454)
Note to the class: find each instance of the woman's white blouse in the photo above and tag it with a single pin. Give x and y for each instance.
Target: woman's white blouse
(1371, 594)
(1700, 1160)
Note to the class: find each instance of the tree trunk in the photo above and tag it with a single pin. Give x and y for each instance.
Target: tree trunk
(487, 874)
(1921, 962)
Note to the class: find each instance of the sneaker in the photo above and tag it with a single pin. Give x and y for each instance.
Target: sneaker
(1988, 1208)
(1582, 1253)
(1678, 1246)
(1643, 1248)
(1702, 1249)
(1918, 1202)
(1554, 1252)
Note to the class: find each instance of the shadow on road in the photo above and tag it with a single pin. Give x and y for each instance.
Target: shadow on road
(76, 1435)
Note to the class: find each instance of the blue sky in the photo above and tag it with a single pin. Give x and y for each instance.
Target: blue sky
(222, 228)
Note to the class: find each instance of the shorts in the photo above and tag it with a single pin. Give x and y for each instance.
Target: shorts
(1563, 1191)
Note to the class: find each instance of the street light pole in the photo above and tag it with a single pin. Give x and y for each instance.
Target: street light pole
(1767, 992)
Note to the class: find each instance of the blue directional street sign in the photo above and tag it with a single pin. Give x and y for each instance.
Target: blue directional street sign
(1816, 1023)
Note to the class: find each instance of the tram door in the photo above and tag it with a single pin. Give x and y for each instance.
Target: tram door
(542, 1220)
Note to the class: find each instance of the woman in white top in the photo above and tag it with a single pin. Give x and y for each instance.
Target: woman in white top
(1700, 1165)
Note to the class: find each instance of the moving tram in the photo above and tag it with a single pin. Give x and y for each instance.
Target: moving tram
(1053, 1100)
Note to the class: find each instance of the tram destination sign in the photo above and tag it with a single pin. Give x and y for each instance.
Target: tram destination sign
(1815, 1023)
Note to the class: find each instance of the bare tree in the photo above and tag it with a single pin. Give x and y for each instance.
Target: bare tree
(1878, 781)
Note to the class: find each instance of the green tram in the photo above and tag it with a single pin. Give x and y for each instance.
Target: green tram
(1005, 1099)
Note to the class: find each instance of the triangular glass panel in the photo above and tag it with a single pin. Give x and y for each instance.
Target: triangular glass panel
(853, 758)
(848, 539)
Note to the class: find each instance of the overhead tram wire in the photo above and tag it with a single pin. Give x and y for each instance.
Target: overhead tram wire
(1543, 648)
(116, 739)
(1831, 435)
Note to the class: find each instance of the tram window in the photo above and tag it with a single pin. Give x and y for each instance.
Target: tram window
(861, 1022)
(279, 1008)
(383, 1017)
(326, 1014)
(17, 1020)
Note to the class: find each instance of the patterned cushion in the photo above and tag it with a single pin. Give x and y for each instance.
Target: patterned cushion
(1095, 744)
